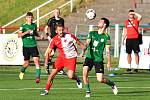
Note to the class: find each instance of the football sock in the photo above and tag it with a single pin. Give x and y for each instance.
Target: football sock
(110, 83)
(38, 72)
(87, 87)
(49, 62)
(23, 69)
(48, 86)
(76, 78)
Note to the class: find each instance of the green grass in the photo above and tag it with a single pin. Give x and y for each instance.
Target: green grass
(130, 86)
(11, 9)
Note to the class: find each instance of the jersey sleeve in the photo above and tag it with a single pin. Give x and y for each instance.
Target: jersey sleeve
(89, 35)
(21, 28)
(74, 38)
(49, 23)
(62, 20)
(108, 41)
(35, 30)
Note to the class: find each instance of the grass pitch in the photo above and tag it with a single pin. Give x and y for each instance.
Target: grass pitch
(130, 86)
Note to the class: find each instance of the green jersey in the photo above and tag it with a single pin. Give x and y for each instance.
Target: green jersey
(97, 45)
(29, 39)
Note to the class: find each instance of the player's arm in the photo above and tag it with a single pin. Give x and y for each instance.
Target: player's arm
(85, 47)
(124, 35)
(36, 33)
(139, 17)
(46, 30)
(109, 66)
(21, 33)
(81, 46)
(51, 47)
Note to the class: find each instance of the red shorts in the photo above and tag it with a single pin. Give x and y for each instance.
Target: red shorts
(69, 63)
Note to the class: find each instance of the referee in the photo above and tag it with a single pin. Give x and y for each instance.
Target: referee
(51, 24)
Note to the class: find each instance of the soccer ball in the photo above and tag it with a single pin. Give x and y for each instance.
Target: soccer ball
(90, 14)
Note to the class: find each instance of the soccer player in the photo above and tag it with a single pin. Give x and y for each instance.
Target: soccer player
(27, 32)
(95, 44)
(131, 35)
(51, 24)
(67, 57)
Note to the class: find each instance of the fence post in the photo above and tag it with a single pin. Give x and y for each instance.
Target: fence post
(38, 19)
(71, 5)
(3, 30)
(116, 46)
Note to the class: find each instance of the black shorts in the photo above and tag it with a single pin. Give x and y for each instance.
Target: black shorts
(99, 66)
(132, 44)
(30, 51)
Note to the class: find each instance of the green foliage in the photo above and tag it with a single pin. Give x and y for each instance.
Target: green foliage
(11, 9)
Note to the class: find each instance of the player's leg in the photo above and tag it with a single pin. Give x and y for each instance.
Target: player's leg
(35, 55)
(87, 66)
(58, 65)
(48, 58)
(49, 81)
(99, 68)
(71, 66)
(128, 51)
(38, 70)
(136, 50)
(23, 69)
(26, 55)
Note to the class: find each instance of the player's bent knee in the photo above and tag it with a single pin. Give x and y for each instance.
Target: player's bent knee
(100, 80)
(70, 76)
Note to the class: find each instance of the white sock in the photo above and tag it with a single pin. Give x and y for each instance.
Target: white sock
(137, 66)
(129, 66)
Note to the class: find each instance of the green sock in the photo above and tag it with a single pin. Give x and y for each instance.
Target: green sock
(38, 72)
(87, 86)
(23, 69)
(110, 83)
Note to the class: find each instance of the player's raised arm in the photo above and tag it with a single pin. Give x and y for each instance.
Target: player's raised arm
(139, 17)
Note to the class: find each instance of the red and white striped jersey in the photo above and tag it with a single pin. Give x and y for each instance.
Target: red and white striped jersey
(66, 45)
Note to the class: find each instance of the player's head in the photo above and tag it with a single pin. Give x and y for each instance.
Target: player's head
(29, 17)
(57, 12)
(131, 13)
(59, 29)
(103, 22)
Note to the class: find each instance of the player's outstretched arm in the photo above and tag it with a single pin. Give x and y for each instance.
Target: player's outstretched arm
(81, 45)
(85, 47)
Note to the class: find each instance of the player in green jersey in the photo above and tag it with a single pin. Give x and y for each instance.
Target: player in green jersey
(27, 32)
(96, 42)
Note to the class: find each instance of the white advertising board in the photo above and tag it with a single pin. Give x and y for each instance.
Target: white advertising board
(144, 54)
(10, 50)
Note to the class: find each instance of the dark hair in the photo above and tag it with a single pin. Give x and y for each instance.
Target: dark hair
(29, 14)
(106, 21)
(59, 25)
(131, 10)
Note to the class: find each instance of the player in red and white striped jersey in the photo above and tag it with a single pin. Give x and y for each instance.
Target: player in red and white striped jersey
(65, 43)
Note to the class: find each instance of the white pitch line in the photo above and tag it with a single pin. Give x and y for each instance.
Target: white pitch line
(18, 89)
(139, 77)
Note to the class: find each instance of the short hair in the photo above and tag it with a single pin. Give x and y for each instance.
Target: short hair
(59, 25)
(106, 21)
(29, 14)
(131, 10)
